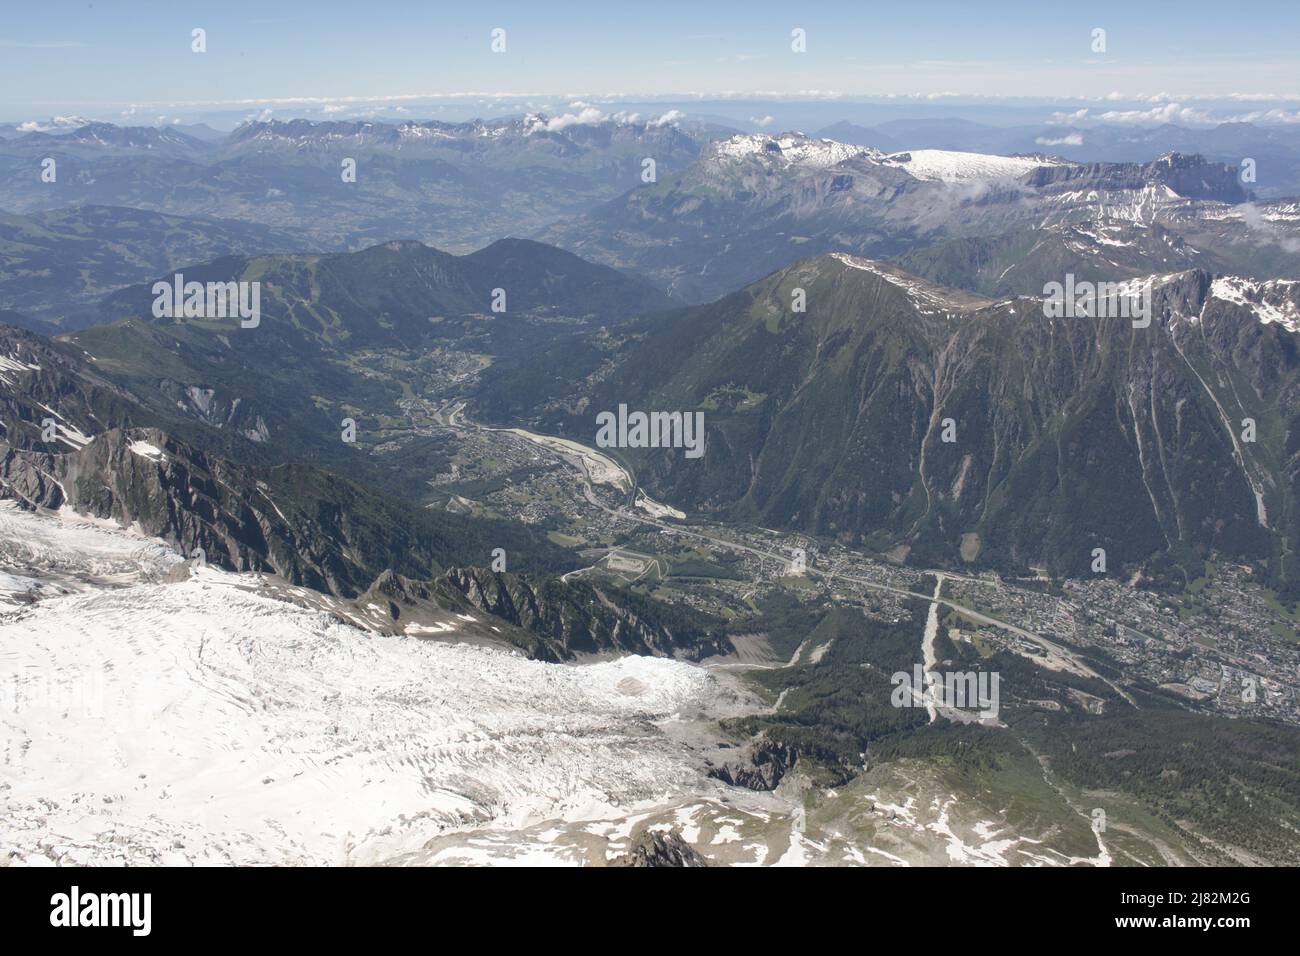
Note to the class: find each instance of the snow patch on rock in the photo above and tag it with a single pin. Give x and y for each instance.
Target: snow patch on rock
(1274, 300)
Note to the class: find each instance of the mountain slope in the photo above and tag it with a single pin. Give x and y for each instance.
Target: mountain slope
(583, 618)
(42, 379)
(1068, 434)
(305, 524)
(1100, 250)
(348, 336)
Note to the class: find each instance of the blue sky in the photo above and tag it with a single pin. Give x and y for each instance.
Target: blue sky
(108, 57)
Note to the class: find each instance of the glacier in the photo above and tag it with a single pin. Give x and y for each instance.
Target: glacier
(155, 712)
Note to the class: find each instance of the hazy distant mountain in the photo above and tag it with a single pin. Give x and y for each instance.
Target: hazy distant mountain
(56, 265)
(97, 138)
(55, 124)
(748, 205)
(200, 131)
(458, 185)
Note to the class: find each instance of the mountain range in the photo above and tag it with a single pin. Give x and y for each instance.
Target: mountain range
(56, 265)
(753, 203)
(456, 185)
(980, 474)
(1272, 148)
(408, 570)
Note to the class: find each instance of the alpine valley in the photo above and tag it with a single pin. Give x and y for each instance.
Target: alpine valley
(359, 582)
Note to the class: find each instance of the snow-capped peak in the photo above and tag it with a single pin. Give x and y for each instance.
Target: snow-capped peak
(950, 166)
(791, 149)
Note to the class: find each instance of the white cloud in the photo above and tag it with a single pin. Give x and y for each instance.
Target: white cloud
(588, 116)
(1266, 116)
(1169, 113)
(1269, 232)
(1072, 139)
(667, 119)
(762, 120)
(1077, 116)
(1172, 112)
(55, 123)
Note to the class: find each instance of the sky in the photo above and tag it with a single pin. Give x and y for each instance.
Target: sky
(134, 58)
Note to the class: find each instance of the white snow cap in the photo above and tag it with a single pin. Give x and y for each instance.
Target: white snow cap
(949, 166)
(791, 149)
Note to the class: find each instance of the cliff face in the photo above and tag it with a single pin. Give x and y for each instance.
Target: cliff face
(162, 488)
(579, 618)
(1189, 176)
(305, 524)
(42, 380)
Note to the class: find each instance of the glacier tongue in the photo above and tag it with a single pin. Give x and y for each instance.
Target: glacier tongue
(201, 721)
